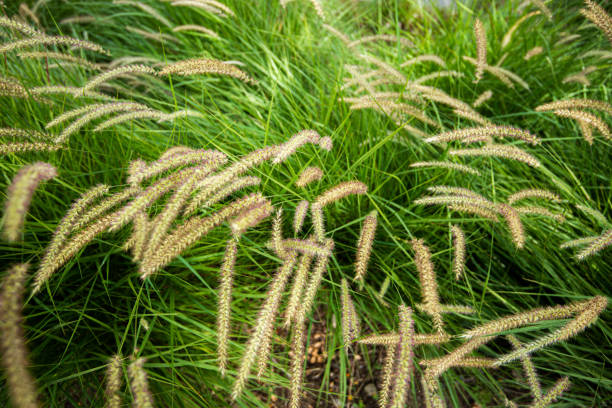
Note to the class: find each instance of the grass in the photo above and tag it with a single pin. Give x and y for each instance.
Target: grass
(97, 305)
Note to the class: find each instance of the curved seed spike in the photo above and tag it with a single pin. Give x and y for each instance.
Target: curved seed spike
(113, 382)
(364, 245)
(139, 384)
(225, 300)
(481, 49)
(19, 381)
(19, 196)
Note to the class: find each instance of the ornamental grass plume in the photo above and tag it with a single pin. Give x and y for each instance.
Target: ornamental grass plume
(277, 233)
(60, 56)
(447, 165)
(24, 133)
(337, 33)
(139, 384)
(513, 220)
(381, 37)
(198, 28)
(298, 361)
(22, 147)
(231, 188)
(296, 141)
(225, 299)
(459, 247)
(482, 98)
(575, 104)
(74, 113)
(96, 113)
(113, 382)
(481, 211)
(19, 382)
(535, 210)
(332, 194)
(117, 72)
(140, 114)
(265, 321)
(528, 368)
(19, 196)
(438, 366)
(429, 287)
(364, 245)
(587, 117)
(577, 242)
(312, 287)
(15, 25)
(250, 217)
(162, 222)
(580, 77)
(212, 6)
(74, 91)
(533, 52)
(501, 151)
(599, 17)
(533, 193)
(551, 396)
(390, 339)
(481, 49)
(211, 158)
(508, 36)
(205, 66)
(299, 216)
(459, 191)
(387, 374)
(404, 356)
(507, 77)
(350, 319)
(599, 243)
(42, 39)
(299, 283)
(483, 133)
(184, 235)
(309, 175)
(593, 213)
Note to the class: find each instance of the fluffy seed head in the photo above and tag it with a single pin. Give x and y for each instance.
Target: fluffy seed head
(19, 196)
(113, 382)
(205, 66)
(13, 350)
(364, 245)
(300, 214)
(139, 384)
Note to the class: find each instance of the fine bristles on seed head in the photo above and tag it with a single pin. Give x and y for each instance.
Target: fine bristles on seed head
(599, 17)
(205, 66)
(459, 246)
(533, 193)
(508, 36)
(225, 299)
(483, 133)
(481, 49)
(404, 354)
(13, 24)
(262, 331)
(19, 195)
(298, 360)
(296, 141)
(427, 278)
(139, 384)
(482, 98)
(198, 28)
(340, 191)
(250, 217)
(553, 394)
(381, 37)
(599, 243)
(364, 245)
(117, 72)
(297, 288)
(13, 350)
(350, 326)
(528, 368)
(447, 165)
(497, 150)
(300, 214)
(576, 104)
(513, 220)
(51, 40)
(113, 382)
(533, 52)
(586, 117)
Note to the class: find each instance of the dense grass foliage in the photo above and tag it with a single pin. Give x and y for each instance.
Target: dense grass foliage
(97, 305)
